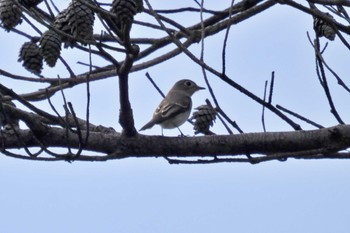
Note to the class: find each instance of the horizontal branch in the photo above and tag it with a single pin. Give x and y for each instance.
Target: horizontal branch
(332, 2)
(288, 144)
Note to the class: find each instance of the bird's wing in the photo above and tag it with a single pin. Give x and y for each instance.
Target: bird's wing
(168, 110)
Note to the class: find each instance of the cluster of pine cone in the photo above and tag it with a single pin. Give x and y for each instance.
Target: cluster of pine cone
(73, 24)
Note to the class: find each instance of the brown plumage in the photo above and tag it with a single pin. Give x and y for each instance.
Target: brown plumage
(175, 108)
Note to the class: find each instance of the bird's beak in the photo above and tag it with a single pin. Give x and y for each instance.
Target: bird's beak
(200, 88)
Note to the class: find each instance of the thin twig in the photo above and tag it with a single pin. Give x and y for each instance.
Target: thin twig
(70, 70)
(67, 113)
(272, 83)
(54, 6)
(155, 85)
(300, 117)
(49, 9)
(187, 9)
(225, 125)
(319, 54)
(227, 32)
(55, 110)
(80, 137)
(323, 79)
(263, 107)
(88, 96)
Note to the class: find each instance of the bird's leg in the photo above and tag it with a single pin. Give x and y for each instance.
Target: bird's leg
(182, 135)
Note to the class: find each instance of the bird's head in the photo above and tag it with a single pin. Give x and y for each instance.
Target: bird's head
(187, 86)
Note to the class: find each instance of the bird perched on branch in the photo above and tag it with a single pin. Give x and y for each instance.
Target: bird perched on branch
(175, 108)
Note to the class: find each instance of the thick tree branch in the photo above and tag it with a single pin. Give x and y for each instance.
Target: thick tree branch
(126, 118)
(331, 2)
(327, 141)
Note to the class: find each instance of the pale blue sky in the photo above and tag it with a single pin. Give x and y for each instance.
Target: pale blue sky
(149, 195)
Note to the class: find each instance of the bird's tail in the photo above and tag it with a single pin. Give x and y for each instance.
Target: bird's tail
(148, 125)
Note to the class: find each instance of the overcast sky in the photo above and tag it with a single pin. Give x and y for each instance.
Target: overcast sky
(149, 195)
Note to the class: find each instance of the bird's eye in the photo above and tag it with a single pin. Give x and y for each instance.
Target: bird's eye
(188, 83)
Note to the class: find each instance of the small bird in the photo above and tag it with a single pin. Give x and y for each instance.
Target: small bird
(175, 108)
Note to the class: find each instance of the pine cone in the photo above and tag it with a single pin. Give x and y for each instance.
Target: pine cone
(81, 21)
(50, 47)
(10, 14)
(124, 11)
(61, 23)
(322, 28)
(203, 118)
(77, 20)
(31, 57)
(30, 3)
